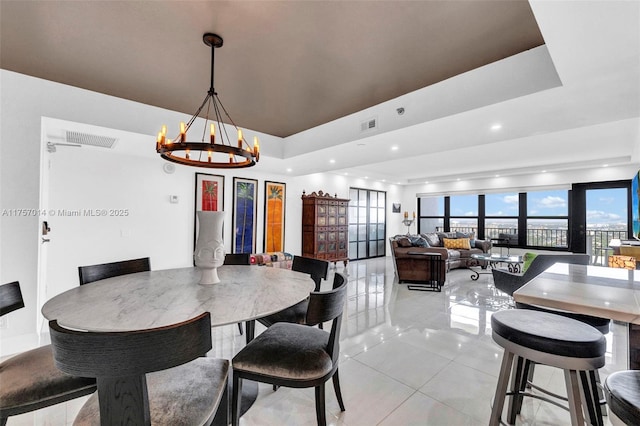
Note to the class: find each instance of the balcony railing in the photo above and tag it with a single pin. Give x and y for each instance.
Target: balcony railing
(597, 240)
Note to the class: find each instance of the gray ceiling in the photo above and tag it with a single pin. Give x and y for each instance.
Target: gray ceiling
(285, 66)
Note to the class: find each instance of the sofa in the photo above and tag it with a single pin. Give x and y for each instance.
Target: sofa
(454, 248)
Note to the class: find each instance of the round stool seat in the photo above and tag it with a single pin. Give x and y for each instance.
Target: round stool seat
(603, 325)
(623, 395)
(549, 333)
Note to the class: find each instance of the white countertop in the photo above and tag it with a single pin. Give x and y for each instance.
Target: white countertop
(159, 298)
(593, 290)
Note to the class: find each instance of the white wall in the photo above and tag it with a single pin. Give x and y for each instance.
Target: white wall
(82, 179)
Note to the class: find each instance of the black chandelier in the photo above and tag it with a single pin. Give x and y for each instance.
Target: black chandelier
(217, 151)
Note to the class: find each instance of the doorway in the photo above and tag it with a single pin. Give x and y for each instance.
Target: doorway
(600, 213)
(367, 223)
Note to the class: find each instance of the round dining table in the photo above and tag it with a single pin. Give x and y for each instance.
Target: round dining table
(159, 298)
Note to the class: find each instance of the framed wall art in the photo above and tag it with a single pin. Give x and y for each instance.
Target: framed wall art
(245, 204)
(209, 197)
(209, 192)
(274, 205)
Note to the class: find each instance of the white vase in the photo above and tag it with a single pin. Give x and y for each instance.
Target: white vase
(209, 253)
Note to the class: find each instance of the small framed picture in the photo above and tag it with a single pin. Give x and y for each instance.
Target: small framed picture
(395, 208)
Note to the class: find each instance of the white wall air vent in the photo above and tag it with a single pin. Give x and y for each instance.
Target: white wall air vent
(91, 140)
(369, 124)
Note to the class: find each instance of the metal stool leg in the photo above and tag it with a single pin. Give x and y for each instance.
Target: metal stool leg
(501, 388)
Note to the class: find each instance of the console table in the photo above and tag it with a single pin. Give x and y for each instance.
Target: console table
(435, 279)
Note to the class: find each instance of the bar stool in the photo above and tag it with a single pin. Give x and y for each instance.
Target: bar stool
(553, 340)
(622, 390)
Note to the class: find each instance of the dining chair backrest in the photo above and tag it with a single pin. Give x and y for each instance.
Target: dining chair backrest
(329, 306)
(120, 361)
(338, 280)
(237, 259)
(317, 268)
(91, 273)
(10, 298)
(28, 380)
(126, 353)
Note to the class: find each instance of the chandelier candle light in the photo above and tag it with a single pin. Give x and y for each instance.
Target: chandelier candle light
(218, 151)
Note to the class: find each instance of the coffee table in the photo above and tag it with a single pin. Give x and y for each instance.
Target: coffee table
(492, 261)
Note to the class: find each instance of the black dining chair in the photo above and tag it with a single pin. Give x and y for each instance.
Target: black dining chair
(156, 376)
(101, 271)
(29, 380)
(296, 355)
(237, 259)
(318, 270)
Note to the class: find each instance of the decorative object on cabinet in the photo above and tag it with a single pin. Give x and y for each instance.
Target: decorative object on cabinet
(245, 204)
(325, 229)
(274, 205)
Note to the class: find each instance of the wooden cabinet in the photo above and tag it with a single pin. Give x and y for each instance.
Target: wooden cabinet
(325, 227)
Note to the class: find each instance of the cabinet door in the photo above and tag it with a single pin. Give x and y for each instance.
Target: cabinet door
(321, 214)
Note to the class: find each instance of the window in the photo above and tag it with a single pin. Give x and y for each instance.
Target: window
(431, 212)
(501, 214)
(464, 213)
(541, 216)
(548, 218)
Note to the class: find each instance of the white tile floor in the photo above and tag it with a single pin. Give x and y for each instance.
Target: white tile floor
(408, 358)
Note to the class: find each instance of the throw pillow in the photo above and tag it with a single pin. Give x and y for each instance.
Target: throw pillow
(527, 259)
(432, 239)
(418, 241)
(403, 242)
(457, 243)
(469, 235)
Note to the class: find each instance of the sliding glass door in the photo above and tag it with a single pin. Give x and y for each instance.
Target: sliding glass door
(367, 223)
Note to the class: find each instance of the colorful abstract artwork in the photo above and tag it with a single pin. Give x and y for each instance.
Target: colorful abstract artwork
(274, 203)
(245, 199)
(209, 196)
(209, 192)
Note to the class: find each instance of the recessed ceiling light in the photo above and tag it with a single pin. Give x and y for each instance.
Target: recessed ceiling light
(496, 127)
(543, 171)
(346, 174)
(497, 175)
(366, 177)
(289, 169)
(426, 181)
(384, 180)
(458, 179)
(605, 165)
(394, 148)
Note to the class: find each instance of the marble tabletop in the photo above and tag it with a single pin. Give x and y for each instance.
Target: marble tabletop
(159, 298)
(593, 290)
